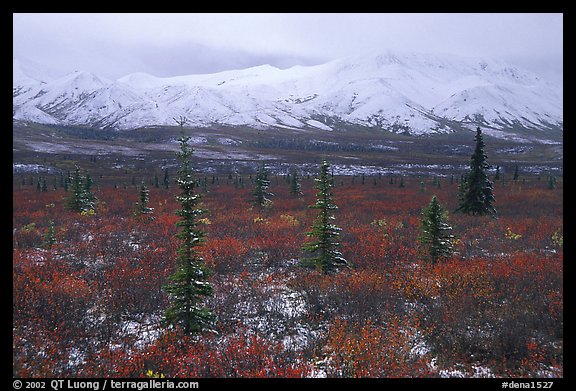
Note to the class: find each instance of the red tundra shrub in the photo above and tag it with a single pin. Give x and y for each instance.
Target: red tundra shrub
(374, 350)
(239, 355)
(91, 304)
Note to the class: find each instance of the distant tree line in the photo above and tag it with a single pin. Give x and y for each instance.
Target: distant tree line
(313, 145)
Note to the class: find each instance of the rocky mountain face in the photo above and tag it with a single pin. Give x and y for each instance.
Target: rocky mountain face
(400, 92)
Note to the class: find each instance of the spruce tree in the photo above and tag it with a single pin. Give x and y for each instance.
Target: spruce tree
(295, 186)
(262, 183)
(462, 189)
(67, 180)
(516, 171)
(81, 198)
(476, 194)
(49, 239)
(43, 185)
(189, 285)
(142, 204)
(74, 201)
(89, 197)
(324, 248)
(166, 180)
(435, 233)
(551, 182)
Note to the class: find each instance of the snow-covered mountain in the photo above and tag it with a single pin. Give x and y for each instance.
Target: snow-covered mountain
(400, 92)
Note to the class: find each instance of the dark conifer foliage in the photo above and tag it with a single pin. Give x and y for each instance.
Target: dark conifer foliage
(476, 191)
(262, 183)
(190, 285)
(435, 232)
(326, 256)
(295, 184)
(142, 203)
(166, 180)
(81, 198)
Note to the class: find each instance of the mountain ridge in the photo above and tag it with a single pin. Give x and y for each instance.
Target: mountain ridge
(410, 93)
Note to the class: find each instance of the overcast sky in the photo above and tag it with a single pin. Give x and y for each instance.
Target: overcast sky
(113, 45)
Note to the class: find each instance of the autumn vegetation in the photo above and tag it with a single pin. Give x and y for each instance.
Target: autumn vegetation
(89, 298)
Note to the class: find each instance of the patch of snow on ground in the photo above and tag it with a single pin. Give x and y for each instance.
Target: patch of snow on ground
(37, 168)
(228, 141)
(384, 147)
(145, 333)
(514, 150)
(318, 124)
(198, 140)
(479, 372)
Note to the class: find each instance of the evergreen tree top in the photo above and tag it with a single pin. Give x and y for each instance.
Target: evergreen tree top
(326, 256)
(189, 286)
(435, 232)
(478, 159)
(475, 193)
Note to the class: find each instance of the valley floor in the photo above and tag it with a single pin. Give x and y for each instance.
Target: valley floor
(88, 297)
(112, 155)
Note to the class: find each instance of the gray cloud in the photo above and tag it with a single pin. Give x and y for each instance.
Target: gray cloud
(175, 44)
(191, 58)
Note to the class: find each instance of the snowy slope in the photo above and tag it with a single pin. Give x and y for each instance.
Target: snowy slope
(26, 72)
(400, 92)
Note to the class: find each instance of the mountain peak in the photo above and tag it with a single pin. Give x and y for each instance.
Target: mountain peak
(26, 72)
(84, 78)
(389, 90)
(140, 80)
